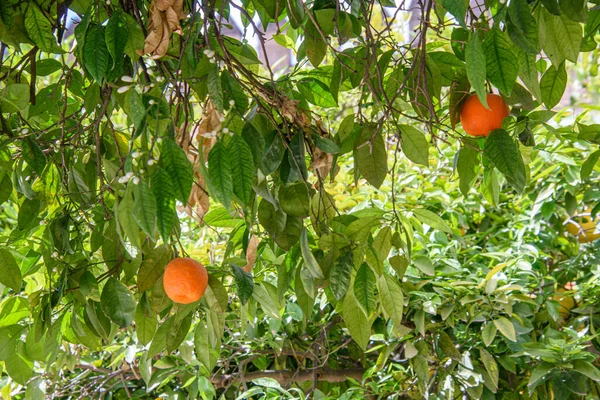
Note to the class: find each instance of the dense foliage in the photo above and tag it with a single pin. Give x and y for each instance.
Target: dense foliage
(358, 243)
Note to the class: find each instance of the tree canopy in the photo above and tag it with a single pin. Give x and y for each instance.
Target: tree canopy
(359, 244)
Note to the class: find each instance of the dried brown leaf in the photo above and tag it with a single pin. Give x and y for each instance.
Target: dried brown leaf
(162, 5)
(172, 20)
(321, 162)
(251, 253)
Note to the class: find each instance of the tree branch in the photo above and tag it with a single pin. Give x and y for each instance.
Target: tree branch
(287, 376)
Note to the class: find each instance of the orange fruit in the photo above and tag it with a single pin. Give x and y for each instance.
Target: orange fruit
(582, 226)
(185, 280)
(477, 120)
(567, 303)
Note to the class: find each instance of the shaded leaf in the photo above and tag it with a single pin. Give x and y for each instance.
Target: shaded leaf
(242, 169)
(364, 289)
(10, 274)
(370, 156)
(117, 302)
(220, 174)
(356, 321)
(152, 267)
(309, 259)
(414, 145)
(504, 153)
(179, 168)
(502, 65)
(339, 277)
(553, 85)
(476, 67)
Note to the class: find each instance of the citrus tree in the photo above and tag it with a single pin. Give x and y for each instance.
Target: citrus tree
(396, 212)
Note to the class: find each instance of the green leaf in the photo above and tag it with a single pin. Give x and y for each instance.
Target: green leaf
(448, 347)
(458, 9)
(179, 168)
(234, 91)
(284, 229)
(28, 213)
(10, 274)
(309, 259)
(356, 321)
(47, 66)
(19, 367)
(326, 145)
(587, 369)
(273, 152)
(314, 45)
(220, 174)
(522, 27)
(364, 289)
(562, 38)
(244, 283)
(95, 54)
(506, 328)
(165, 202)
(488, 333)
(476, 67)
(586, 168)
(14, 309)
(530, 75)
(206, 353)
(117, 35)
(370, 156)
(242, 168)
(296, 13)
(39, 29)
(468, 167)
(576, 10)
(339, 277)
(152, 267)
(261, 295)
(592, 25)
(553, 85)
(504, 153)
(159, 341)
(33, 155)
(296, 160)
(391, 297)
(215, 89)
(125, 211)
(414, 145)
(144, 209)
(431, 219)
(179, 330)
(502, 66)
(421, 369)
(380, 249)
(360, 229)
(490, 365)
(117, 302)
(15, 97)
(135, 37)
(316, 92)
(538, 375)
(295, 200)
(244, 53)
(424, 265)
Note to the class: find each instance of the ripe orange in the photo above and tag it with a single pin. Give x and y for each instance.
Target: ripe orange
(582, 226)
(567, 303)
(185, 280)
(480, 121)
